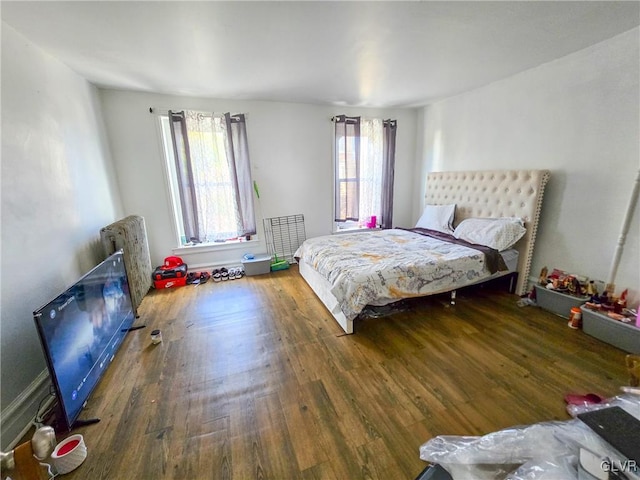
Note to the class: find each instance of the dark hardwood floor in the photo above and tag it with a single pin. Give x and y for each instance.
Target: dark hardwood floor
(255, 380)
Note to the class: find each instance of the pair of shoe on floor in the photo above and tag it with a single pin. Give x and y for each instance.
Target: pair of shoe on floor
(224, 274)
(195, 278)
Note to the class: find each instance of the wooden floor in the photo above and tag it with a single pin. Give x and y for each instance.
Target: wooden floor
(255, 380)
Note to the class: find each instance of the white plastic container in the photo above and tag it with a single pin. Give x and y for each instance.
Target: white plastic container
(69, 454)
(258, 265)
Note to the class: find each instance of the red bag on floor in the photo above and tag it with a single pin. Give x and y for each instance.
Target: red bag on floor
(173, 267)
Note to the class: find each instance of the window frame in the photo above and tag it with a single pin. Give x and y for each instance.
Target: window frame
(347, 225)
(171, 178)
(173, 197)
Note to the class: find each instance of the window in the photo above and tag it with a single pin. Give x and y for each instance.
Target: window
(364, 170)
(210, 175)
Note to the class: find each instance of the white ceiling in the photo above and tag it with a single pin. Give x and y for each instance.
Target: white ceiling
(378, 54)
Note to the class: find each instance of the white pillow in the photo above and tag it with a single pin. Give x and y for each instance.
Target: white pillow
(497, 233)
(437, 217)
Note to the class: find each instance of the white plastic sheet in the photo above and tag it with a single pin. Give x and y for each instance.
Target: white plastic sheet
(547, 450)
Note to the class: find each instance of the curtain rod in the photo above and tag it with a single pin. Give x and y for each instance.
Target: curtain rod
(164, 110)
(384, 120)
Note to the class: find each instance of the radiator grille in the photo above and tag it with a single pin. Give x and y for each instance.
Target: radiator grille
(284, 235)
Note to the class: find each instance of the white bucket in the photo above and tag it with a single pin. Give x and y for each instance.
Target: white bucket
(69, 454)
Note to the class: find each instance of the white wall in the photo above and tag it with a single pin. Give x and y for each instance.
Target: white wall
(58, 190)
(291, 156)
(577, 116)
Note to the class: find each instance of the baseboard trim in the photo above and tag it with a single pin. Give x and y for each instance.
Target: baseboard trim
(18, 417)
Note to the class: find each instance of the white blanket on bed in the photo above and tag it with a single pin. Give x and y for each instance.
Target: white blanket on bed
(377, 267)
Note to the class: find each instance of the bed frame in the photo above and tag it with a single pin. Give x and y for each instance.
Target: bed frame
(487, 193)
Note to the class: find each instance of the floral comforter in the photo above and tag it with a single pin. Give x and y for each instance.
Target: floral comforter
(379, 267)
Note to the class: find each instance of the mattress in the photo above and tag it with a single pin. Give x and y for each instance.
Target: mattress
(377, 268)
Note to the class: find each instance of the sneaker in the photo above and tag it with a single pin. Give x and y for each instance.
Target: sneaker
(224, 274)
(216, 275)
(191, 277)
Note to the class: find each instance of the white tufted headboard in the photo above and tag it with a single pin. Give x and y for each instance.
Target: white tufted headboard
(494, 193)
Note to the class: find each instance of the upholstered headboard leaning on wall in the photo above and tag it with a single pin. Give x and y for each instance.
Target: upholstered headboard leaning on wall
(494, 193)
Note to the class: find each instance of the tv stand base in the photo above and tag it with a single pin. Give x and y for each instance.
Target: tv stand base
(131, 329)
(61, 427)
(83, 423)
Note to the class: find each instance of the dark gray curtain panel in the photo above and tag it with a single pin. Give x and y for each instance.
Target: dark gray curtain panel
(389, 162)
(240, 168)
(184, 172)
(347, 175)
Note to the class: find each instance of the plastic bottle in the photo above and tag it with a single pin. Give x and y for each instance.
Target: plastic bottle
(575, 318)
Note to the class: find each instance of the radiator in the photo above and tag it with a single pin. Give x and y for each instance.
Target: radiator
(284, 235)
(130, 235)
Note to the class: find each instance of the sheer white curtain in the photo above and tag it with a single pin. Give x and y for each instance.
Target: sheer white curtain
(365, 151)
(371, 168)
(214, 177)
(216, 209)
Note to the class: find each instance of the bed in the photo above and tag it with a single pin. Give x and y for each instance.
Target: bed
(349, 271)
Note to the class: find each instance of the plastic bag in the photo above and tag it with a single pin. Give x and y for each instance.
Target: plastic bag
(547, 450)
(510, 446)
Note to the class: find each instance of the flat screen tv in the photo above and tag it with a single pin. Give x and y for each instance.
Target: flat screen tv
(81, 330)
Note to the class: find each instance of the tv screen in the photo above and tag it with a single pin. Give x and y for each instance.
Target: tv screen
(81, 330)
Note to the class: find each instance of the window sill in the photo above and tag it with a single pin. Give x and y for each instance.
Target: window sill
(355, 230)
(214, 246)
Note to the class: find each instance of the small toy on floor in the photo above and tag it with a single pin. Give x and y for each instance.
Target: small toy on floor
(279, 264)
